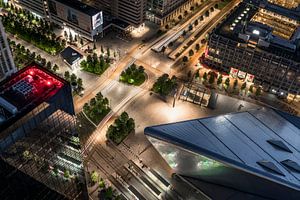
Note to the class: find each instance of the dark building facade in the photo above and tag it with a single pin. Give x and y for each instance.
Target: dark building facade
(163, 11)
(259, 42)
(37, 130)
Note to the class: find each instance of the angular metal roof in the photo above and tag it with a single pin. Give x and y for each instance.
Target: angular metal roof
(240, 140)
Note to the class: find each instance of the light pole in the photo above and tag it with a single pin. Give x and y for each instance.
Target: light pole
(174, 100)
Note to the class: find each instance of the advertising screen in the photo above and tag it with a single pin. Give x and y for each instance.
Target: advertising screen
(97, 20)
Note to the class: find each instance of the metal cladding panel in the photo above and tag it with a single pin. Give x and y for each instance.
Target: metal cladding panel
(280, 127)
(194, 133)
(260, 134)
(239, 140)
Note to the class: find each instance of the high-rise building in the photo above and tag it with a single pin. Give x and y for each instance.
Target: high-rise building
(259, 42)
(247, 155)
(7, 65)
(163, 11)
(37, 131)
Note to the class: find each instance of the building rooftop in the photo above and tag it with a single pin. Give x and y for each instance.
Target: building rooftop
(263, 142)
(25, 90)
(264, 26)
(70, 55)
(82, 7)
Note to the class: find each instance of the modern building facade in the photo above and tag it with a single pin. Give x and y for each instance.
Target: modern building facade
(37, 130)
(132, 12)
(259, 42)
(7, 65)
(286, 3)
(163, 11)
(75, 17)
(248, 154)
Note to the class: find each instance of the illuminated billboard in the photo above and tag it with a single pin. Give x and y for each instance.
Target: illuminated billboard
(97, 20)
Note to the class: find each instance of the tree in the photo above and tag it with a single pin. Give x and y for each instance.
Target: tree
(227, 82)
(205, 77)
(73, 77)
(197, 47)
(81, 42)
(67, 75)
(185, 13)
(196, 22)
(201, 18)
(212, 9)
(211, 78)
(216, 6)
(251, 88)
(163, 49)
(43, 61)
(185, 59)
(191, 52)
(220, 79)
(244, 85)
(235, 83)
(207, 13)
(197, 74)
(190, 27)
(258, 91)
(101, 183)
(99, 96)
(93, 102)
(66, 34)
(55, 68)
(184, 33)
(48, 65)
(94, 176)
(167, 26)
(79, 82)
(180, 17)
(70, 37)
(67, 173)
(94, 47)
(109, 193)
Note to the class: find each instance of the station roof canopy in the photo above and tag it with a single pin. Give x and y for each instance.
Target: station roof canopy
(70, 55)
(264, 142)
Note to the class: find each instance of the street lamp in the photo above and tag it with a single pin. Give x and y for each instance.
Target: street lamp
(174, 100)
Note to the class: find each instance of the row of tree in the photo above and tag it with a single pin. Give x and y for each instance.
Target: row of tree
(95, 64)
(32, 29)
(23, 57)
(210, 78)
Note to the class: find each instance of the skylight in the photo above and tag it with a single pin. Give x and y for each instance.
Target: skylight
(270, 166)
(279, 144)
(291, 165)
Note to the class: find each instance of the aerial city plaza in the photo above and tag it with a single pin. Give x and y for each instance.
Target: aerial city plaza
(150, 99)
